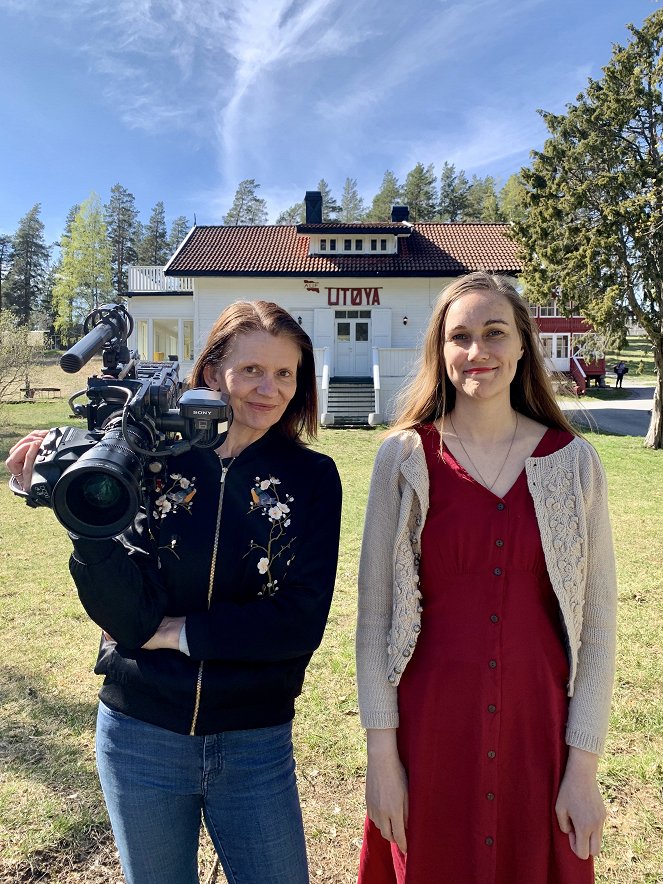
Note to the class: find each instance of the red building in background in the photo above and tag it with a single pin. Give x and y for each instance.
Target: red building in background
(560, 340)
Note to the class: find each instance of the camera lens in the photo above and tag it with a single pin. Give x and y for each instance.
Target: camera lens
(99, 495)
(104, 496)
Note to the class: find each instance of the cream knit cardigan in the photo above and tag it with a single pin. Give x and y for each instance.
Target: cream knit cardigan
(569, 492)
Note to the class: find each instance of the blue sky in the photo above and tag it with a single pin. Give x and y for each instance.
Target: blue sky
(179, 100)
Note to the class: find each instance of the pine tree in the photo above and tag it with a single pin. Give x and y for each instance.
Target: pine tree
(6, 258)
(247, 207)
(178, 230)
(84, 279)
(482, 200)
(121, 218)
(294, 215)
(420, 193)
(352, 205)
(454, 194)
(513, 200)
(26, 279)
(593, 229)
(154, 248)
(330, 208)
(389, 195)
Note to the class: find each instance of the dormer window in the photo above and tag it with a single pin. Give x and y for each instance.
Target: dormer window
(359, 245)
(347, 245)
(383, 245)
(374, 245)
(323, 245)
(332, 245)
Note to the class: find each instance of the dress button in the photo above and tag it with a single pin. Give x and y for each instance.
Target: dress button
(492, 664)
(500, 505)
(497, 572)
(489, 842)
(492, 708)
(494, 618)
(491, 753)
(499, 543)
(490, 796)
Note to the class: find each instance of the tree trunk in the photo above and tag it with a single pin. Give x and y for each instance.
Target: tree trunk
(654, 437)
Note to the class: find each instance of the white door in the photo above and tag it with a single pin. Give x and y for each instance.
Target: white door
(352, 343)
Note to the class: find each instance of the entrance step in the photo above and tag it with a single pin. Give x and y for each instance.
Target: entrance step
(350, 402)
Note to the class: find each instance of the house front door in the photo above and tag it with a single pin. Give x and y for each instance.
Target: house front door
(352, 343)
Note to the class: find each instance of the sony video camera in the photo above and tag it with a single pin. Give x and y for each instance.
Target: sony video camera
(95, 480)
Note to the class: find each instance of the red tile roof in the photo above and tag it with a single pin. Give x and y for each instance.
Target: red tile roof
(434, 249)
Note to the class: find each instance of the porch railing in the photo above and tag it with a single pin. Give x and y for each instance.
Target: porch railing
(153, 279)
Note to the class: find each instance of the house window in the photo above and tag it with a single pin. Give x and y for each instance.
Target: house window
(562, 347)
(187, 340)
(347, 245)
(359, 245)
(374, 245)
(332, 245)
(546, 344)
(323, 245)
(383, 245)
(172, 339)
(548, 309)
(533, 310)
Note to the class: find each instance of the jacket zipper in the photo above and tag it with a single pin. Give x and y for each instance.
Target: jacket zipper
(215, 548)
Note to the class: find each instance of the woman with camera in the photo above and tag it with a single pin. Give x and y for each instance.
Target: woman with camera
(211, 606)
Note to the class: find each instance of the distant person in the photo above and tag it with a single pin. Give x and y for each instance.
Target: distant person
(486, 627)
(212, 604)
(620, 370)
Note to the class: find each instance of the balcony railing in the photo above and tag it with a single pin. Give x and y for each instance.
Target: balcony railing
(153, 279)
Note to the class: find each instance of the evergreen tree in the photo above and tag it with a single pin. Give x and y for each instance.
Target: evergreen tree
(389, 194)
(330, 208)
(178, 230)
(154, 248)
(482, 200)
(594, 225)
(513, 200)
(247, 207)
(121, 218)
(84, 279)
(454, 194)
(26, 279)
(294, 215)
(420, 193)
(352, 205)
(6, 258)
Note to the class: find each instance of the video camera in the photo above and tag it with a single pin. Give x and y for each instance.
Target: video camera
(96, 480)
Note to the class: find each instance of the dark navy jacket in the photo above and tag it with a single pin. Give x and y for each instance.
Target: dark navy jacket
(252, 621)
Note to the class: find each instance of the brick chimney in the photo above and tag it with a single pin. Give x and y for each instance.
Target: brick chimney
(313, 203)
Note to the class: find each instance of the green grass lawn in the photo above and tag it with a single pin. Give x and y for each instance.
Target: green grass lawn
(52, 822)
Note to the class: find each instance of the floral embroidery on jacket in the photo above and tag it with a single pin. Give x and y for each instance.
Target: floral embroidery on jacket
(174, 493)
(265, 499)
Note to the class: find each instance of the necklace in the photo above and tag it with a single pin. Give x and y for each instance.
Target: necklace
(467, 454)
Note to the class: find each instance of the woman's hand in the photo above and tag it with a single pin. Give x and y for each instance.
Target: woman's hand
(579, 808)
(167, 635)
(22, 456)
(386, 787)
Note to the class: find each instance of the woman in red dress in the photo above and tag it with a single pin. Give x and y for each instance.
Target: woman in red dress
(486, 630)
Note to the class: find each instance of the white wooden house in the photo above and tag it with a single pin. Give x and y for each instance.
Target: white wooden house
(364, 292)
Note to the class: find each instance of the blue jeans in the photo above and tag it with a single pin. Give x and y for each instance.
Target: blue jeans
(157, 785)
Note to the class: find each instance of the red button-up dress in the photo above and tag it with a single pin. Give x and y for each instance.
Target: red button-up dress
(483, 702)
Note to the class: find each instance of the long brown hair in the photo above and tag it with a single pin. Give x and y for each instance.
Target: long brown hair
(429, 394)
(243, 317)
